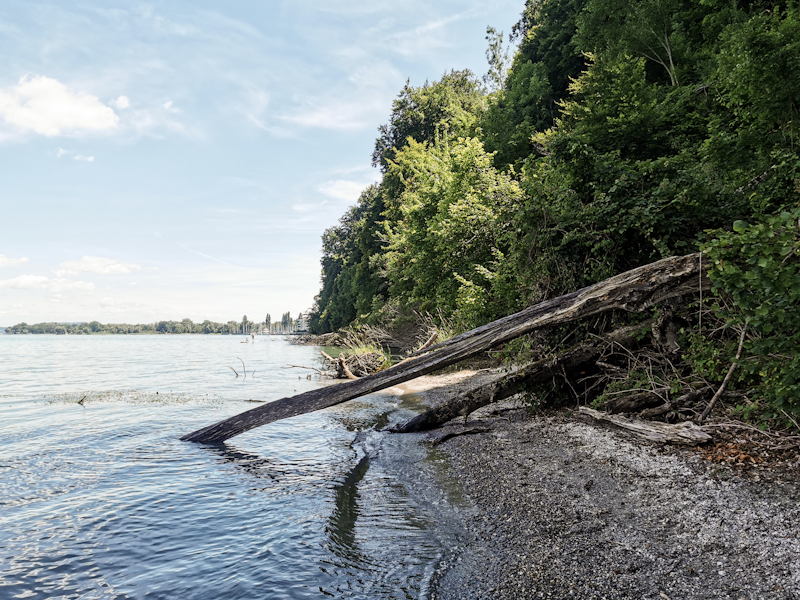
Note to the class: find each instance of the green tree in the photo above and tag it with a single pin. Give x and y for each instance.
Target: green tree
(447, 230)
(498, 59)
(446, 108)
(541, 70)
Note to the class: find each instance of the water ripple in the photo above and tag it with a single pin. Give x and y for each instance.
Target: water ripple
(102, 500)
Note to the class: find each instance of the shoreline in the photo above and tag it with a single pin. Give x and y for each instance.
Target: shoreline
(563, 509)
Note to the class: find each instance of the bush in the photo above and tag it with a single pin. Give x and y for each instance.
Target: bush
(758, 266)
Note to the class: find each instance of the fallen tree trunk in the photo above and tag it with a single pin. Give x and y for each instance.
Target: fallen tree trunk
(505, 386)
(634, 402)
(686, 433)
(692, 396)
(633, 290)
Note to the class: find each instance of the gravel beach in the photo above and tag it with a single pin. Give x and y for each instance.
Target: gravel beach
(564, 509)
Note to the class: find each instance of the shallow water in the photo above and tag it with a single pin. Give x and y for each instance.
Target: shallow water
(102, 500)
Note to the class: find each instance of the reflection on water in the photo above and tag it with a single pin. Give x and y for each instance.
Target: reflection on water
(102, 500)
(341, 527)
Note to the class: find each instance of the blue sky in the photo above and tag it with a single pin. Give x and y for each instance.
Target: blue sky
(181, 159)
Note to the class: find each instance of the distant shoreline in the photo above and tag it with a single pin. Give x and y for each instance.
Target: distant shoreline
(287, 326)
(4, 332)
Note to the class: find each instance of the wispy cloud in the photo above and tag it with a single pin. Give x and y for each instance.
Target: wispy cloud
(222, 262)
(40, 282)
(342, 189)
(79, 157)
(97, 265)
(46, 106)
(11, 262)
(340, 115)
(423, 39)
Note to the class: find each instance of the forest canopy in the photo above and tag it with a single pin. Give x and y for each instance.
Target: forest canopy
(618, 133)
(621, 133)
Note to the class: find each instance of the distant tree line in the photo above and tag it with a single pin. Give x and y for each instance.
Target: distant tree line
(245, 326)
(286, 325)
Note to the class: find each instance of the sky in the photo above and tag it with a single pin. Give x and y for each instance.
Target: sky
(181, 159)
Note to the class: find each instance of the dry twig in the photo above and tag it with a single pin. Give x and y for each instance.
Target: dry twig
(725, 381)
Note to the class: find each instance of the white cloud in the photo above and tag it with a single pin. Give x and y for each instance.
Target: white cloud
(40, 282)
(61, 152)
(340, 116)
(106, 301)
(83, 158)
(423, 39)
(11, 262)
(95, 264)
(47, 107)
(122, 102)
(152, 121)
(254, 105)
(342, 189)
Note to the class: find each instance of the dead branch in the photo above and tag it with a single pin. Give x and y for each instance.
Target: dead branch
(431, 341)
(320, 371)
(452, 434)
(725, 381)
(688, 398)
(344, 368)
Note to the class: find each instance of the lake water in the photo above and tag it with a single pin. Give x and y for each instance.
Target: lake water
(102, 500)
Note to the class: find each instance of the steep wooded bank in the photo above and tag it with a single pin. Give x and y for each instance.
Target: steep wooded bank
(618, 133)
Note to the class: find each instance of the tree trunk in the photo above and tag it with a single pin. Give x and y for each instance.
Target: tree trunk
(633, 290)
(505, 386)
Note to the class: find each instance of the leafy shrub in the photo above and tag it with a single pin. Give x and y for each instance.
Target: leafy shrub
(758, 266)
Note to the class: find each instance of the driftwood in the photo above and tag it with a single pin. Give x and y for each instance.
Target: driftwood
(505, 386)
(343, 367)
(355, 365)
(633, 290)
(685, 433)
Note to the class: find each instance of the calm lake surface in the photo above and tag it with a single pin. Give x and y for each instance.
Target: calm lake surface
(104, 501)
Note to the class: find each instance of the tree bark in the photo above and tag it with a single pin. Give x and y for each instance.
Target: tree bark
(633, 290)
(505, 386)
(633, 402)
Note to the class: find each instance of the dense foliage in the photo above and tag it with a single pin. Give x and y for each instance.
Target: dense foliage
(757, 266)
(623, 131)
